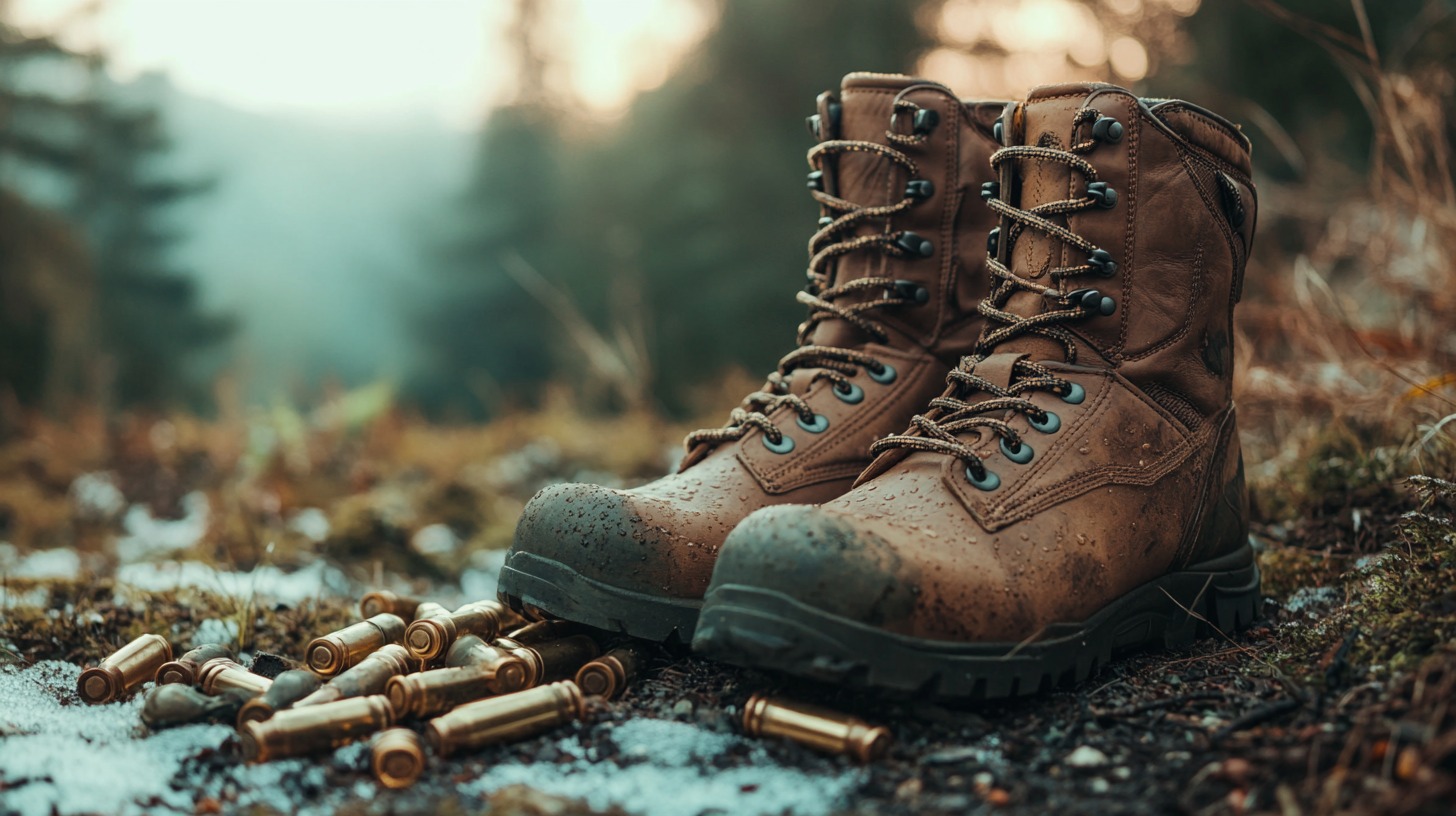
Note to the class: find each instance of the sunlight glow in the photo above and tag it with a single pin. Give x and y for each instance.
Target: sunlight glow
(444, 58)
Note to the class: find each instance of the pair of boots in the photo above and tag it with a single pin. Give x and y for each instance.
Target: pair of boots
(1004, 448)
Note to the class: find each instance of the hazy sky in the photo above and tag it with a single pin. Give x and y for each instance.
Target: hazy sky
(370, 57)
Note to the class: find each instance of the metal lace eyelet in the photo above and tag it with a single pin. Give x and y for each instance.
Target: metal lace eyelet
(988, 481)
(924, 121)
(915, 244)
(1093, 302)
(784, 445)
(884, 376)
(819, 425)
(1050, 423)
(1021, 454)
(1102, 193)
(908, 291)
(1107, 129)
(919, 189)
(1075, 394)
(848, 393)
(1101, 261)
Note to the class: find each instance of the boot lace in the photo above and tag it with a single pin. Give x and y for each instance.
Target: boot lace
(830, 242)
(953, 415)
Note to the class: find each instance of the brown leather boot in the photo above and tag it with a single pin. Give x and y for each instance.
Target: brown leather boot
(896, 271)
(1078, 489)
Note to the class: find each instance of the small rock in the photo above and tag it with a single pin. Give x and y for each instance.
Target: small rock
(954, 756)
(1236, 770)
(998, 798)
(1086, 757)
(1407, 762)
(981, 783)
(909, 789)
(682, 708)
(435, 541)
(1100, 785)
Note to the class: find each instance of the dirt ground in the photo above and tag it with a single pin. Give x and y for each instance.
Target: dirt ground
(1338, 701)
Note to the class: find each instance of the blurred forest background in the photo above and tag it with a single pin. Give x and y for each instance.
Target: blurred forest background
(606, 239)
(165, 251)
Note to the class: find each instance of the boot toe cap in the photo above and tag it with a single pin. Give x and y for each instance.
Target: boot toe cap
(821, 559)
(601, 534)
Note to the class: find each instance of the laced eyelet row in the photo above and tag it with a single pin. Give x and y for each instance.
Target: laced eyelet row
(847, 392)
(956, 413)
(910, 126)
(1020, 451)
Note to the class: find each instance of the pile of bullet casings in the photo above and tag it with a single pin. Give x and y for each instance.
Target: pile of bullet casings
(475, 676)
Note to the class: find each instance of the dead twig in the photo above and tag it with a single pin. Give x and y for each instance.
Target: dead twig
(1258, 716)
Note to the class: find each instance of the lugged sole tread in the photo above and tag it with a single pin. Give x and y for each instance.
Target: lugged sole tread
(766, 629)
(529, 582)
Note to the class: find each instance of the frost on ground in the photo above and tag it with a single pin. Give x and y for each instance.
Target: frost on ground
(58, 756)
(670, 769)
(59, 564)
(318, 580)
(147, 535)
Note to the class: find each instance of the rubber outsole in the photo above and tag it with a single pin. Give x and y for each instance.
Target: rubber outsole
(529, 582)
(748, 626)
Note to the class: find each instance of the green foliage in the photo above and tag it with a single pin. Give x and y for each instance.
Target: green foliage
(1391, 608)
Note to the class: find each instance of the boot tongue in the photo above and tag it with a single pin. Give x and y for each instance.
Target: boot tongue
(1046, 119)
(867, 102)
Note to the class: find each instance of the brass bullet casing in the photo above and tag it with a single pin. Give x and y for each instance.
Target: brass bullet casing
(287, 689)
(429, 638)
(382, 601)
(552, 660)
(221, 674)
(609, 674)
(509, 671)
(561, 658)
(397, 757)
(310, 730)
(124, 670)
(430, 609)
(369, 677)
(428, 693)
(505, 718)
(184, 669)
(335, 652)
(176, 704)
(817, 728)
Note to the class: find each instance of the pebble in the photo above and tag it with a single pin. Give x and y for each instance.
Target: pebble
(1086, 757)
(683, 708)
(1100, 785)
(909, 789)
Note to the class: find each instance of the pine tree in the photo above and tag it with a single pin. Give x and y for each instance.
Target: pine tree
(92, 305)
